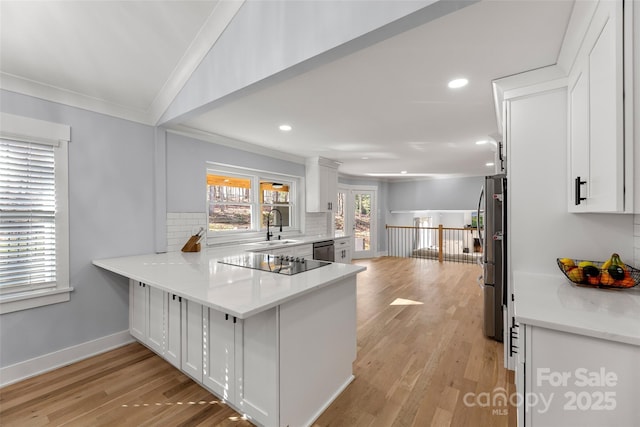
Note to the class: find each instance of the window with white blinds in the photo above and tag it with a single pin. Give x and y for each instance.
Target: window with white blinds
(34, 213)
(27, 216)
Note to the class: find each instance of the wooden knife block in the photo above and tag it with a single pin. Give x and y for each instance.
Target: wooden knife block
(192, 245)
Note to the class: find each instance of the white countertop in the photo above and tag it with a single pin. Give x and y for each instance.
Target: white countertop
(553, 302)
(238, 291)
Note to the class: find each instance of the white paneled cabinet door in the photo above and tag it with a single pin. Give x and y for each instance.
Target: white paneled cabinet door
(156, 319)
(331, 188)
(321, 184)
(173, 341)
(137, 310)
(219, 354)
(191, 337)
(579, 137)
(256, 367)
(596, 112)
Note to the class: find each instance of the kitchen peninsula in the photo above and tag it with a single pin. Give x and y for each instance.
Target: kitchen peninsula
(278, 348)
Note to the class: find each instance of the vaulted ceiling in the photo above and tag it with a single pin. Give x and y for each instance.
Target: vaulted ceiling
(380, 110)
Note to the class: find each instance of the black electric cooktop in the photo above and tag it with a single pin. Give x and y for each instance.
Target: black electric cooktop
(273, 263)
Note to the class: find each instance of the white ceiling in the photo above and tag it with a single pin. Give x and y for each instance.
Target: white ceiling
(388, 102)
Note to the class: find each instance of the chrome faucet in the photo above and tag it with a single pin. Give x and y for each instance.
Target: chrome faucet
(270, 234)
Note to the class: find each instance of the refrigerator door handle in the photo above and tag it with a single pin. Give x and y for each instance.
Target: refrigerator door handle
(480, 259)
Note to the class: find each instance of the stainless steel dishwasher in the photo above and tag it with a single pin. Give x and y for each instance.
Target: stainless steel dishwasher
(324, 250)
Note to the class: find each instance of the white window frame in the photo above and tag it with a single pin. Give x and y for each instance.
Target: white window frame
(296, 219)
(26, 129)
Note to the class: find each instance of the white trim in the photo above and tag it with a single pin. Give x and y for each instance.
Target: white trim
(59, 136)
(32, 299)
(74, 99)
(33, 130)
(234, 143)
(57, 359)
(296, 222)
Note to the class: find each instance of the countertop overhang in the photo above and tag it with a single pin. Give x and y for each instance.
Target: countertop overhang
(237, 291)
(553, 302)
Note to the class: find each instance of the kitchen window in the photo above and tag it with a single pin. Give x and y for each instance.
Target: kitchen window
(34, 236)
(241, 201)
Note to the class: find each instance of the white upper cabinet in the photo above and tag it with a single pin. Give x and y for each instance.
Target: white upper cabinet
(599, 169)
(321, 184)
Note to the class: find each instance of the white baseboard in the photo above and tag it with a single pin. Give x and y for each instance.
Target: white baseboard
(48, 362)
(381, 253)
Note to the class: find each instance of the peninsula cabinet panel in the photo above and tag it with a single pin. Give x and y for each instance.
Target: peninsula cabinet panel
(137, 310)
(156, 319)
(173, 340)
(191, 337)
(219, 354)
(317, 350)
(146, 315)
(257, 367)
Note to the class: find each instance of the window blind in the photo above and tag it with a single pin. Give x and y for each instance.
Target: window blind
(27, 215)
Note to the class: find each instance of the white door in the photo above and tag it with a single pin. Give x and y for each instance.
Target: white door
(356, 216)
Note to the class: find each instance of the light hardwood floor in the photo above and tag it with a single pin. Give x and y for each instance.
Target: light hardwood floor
(424, 364)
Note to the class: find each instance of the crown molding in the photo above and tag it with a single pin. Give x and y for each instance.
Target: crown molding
(234, 143)
(73, 99)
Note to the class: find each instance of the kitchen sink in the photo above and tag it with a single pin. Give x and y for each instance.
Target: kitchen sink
(277, 242)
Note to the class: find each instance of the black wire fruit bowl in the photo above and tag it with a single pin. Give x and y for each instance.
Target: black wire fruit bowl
(592, 274)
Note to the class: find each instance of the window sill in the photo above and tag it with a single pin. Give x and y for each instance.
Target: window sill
(33, 299)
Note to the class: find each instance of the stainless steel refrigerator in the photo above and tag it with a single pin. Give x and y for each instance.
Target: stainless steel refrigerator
(492, 231)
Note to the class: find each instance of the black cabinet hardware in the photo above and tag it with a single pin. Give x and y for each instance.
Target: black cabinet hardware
(578, 185)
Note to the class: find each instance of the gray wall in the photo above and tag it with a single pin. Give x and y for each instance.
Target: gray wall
(187, 169)
(111, 214)
(435, 194)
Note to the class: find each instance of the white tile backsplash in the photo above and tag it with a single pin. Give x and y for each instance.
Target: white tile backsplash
(636, 241)
(316, 224)
(181, 226)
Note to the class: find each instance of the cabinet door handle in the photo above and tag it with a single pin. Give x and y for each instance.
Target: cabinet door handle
(578, 184)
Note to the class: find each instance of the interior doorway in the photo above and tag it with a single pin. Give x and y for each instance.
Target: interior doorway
(356, 217)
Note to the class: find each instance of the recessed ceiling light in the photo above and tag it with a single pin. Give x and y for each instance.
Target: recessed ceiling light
(285, 128)
(365, 158)
(403, 172)
(489, 164)
(481, 142)
(457, 83)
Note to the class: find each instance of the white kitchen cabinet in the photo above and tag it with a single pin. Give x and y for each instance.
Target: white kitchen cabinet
(192, 338)
(256, 367)
(343, 250)
(147, 315)
(156, 308)
(138, 310)
(321, 184)
(173, 333)
(241, 362)
(599, 171)
(219, 354)
(573, 379)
